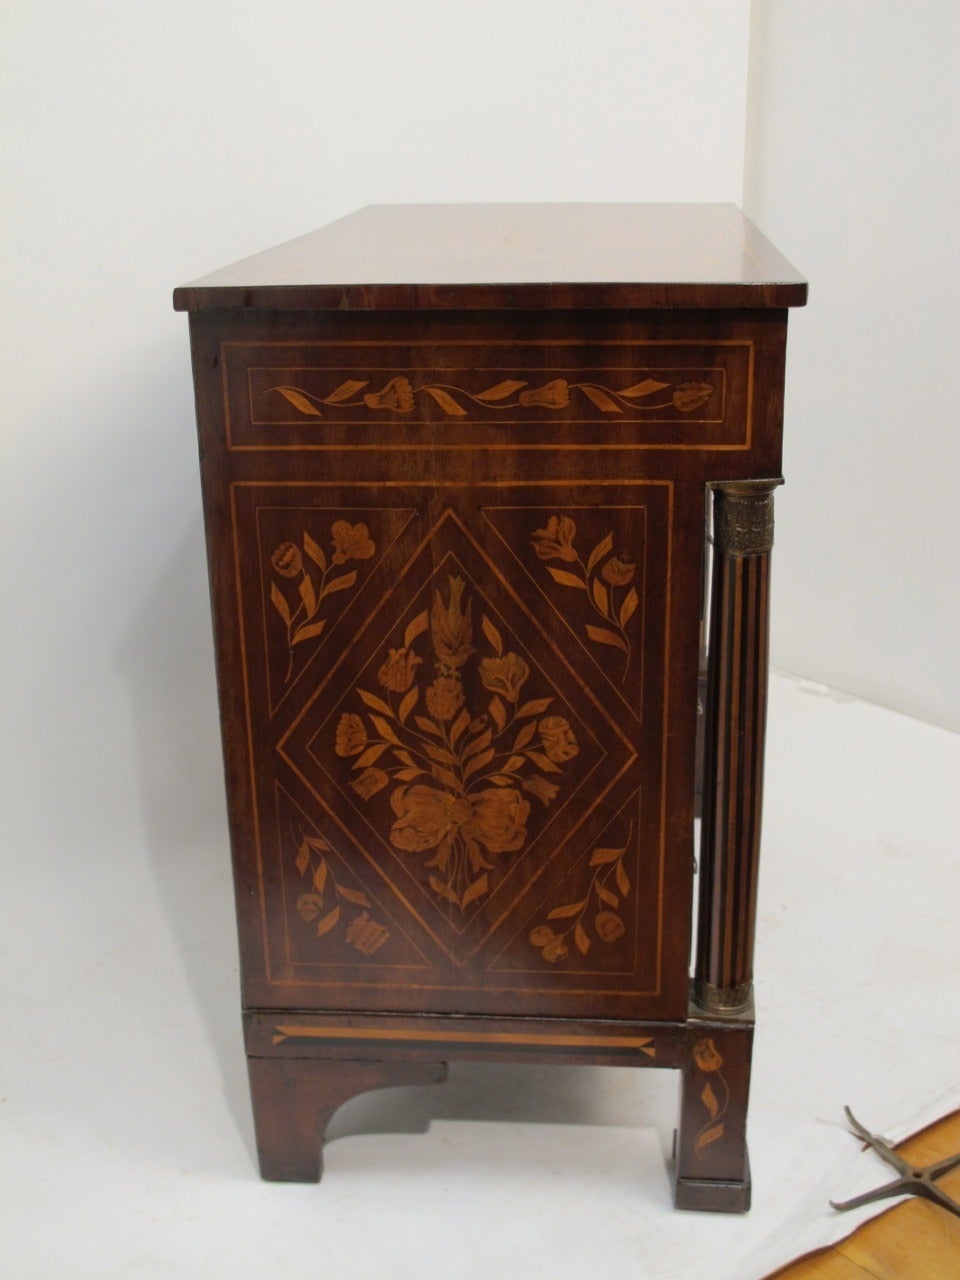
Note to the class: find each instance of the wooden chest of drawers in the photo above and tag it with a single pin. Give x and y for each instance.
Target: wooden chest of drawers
(456, 462)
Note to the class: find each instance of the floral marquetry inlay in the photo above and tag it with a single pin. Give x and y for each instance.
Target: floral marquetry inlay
(462, 757)
(715, 1094)
(315, 577)
(398, 395)
(330, 905)
(455, 738)
(596, 915)
(606, 577)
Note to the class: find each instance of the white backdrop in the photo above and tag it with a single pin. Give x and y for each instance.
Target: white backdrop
(853, 166)
(148, 144)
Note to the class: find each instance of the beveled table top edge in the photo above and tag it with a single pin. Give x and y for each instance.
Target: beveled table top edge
(512, 257)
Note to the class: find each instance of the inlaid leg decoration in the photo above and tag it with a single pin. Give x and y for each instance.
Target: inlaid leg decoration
(713, 1171)
(294, 1098)
(914, 1180)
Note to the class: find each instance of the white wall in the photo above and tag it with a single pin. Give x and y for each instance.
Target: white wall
(853, 167)
(147, 144)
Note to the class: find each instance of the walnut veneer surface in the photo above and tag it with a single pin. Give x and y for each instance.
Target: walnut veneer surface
(455, 466)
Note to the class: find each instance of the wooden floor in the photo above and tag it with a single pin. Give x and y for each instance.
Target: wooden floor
(914, 1240)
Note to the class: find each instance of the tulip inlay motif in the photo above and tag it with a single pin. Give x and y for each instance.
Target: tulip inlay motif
(709, 1062)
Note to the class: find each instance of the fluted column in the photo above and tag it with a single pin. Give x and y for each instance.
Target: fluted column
(735, 727)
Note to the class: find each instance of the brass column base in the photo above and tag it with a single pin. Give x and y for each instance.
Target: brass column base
(722, 999)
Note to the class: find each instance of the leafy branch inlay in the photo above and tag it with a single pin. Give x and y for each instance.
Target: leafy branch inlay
(398, 395)
(327, 899)
(609, 874)
(350, 542)
(604, 574)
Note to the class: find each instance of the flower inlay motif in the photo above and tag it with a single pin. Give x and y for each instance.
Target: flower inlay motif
(463, 775)
(316, 577)
(327, 901)
(709, 1061)
(574, 923)
(398, 395)
(606, 576)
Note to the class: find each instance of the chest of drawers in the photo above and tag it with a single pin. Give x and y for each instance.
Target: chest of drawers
(456, 462)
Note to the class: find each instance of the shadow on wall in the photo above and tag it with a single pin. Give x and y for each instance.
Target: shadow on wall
(166, 657)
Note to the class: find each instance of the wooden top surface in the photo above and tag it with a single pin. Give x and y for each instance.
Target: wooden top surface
(466, 256)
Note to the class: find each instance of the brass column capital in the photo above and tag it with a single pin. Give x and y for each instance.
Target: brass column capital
(743, 517)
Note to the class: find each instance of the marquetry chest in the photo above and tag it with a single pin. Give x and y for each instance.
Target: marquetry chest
(457, 466)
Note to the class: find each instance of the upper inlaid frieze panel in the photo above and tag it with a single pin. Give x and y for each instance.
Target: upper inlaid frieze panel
(677, 394)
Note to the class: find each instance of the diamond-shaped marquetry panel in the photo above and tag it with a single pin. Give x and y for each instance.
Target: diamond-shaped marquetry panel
(457, 742)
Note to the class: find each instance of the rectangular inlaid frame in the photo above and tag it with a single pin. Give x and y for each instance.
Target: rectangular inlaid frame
(274, 981)
(674, 394)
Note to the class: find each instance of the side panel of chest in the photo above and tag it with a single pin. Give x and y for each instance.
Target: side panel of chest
(457, 588)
